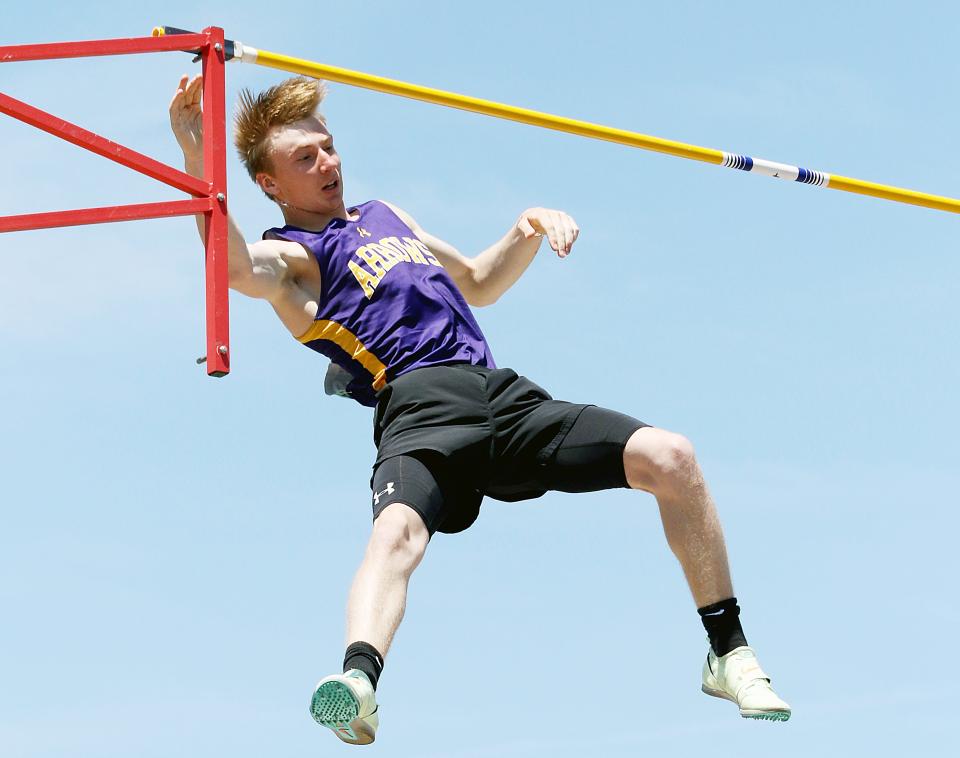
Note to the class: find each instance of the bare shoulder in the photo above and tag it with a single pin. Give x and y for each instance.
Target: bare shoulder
(277, 266)
(278, 248)
(286, 275)
(291, 259)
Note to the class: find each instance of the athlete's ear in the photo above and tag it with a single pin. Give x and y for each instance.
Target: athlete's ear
(267, 184)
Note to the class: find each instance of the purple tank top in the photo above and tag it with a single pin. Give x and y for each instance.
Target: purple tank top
(387, 305)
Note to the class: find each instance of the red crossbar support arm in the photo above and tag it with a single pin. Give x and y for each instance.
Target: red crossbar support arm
(215, 229)
(104, 215)
(95, 47)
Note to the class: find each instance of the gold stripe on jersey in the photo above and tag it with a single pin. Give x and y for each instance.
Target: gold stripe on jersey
(347, 341)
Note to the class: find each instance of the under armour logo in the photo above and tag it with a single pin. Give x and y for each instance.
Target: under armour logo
(388, 491)
(363, 232)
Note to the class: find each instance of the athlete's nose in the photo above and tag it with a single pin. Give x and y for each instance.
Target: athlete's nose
(330, 163)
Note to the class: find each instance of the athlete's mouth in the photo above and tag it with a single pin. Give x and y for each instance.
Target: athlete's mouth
(332, 185)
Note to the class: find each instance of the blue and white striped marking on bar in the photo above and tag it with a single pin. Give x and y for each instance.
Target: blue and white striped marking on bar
(776, 170)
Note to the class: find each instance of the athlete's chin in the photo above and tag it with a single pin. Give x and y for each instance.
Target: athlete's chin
(324, 205)
(329, 199)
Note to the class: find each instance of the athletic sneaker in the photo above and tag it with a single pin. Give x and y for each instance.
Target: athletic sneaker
(737, 677)
(347, 704)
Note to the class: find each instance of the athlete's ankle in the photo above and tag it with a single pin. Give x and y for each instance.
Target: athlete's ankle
(722, 622)
(366, 658)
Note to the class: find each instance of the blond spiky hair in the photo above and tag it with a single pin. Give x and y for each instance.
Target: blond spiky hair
(290, 101)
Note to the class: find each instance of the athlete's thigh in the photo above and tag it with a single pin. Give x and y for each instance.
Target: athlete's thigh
(590, 457)
(423, 481)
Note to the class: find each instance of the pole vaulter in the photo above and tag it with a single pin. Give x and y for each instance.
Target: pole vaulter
(236, 50)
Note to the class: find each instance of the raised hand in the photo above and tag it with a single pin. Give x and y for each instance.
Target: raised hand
(560, 229)
(186, 117)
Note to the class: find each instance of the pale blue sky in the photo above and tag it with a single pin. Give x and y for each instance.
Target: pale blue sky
(175, 550)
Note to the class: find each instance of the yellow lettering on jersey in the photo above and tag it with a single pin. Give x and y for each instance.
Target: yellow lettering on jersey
(379, 265)
(366, 279)
(394, 244)
(387, 253)
(427, 254)
(413, 251)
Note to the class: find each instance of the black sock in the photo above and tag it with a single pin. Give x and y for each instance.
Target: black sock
(722, 622)
(364, 656)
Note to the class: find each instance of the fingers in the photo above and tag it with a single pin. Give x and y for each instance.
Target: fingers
(560, 228)
(186, 115)
(176, 101)
(188, 94)
(194, 91)
(563, 234)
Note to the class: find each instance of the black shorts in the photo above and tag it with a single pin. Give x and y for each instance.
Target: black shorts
(449, 435)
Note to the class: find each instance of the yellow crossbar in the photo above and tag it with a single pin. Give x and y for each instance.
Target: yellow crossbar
(573, 126)
(486, 107)
(250, 54)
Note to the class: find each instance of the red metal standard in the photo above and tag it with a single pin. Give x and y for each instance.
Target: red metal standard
(215, 231)
(210, 192)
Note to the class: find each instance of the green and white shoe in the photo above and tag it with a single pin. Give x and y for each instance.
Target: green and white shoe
(347, 704)
(737, 677)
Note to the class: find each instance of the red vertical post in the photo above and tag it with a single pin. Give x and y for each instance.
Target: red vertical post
(215, 172)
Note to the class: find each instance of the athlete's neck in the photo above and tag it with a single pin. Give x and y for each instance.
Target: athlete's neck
(311, 220)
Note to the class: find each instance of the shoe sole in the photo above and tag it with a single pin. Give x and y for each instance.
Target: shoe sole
(334, 706)
(748, 714)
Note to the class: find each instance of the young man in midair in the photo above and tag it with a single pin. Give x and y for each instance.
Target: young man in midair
(389, 305)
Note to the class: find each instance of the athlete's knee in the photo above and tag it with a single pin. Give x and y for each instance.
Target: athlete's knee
(399, 536)
(659, 461)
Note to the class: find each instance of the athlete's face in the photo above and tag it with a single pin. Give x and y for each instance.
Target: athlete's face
(306, 167)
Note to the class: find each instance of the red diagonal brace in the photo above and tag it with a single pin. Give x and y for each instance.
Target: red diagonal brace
(103, 146)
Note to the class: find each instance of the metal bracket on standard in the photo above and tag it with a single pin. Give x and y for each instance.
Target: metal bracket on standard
(230, 48)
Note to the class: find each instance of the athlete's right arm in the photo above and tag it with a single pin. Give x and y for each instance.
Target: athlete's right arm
(258, 270)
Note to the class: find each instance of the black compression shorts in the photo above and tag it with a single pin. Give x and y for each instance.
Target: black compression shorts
(449, 435)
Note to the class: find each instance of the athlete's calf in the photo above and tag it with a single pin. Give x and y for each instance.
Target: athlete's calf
(663, 463)
(379, 592)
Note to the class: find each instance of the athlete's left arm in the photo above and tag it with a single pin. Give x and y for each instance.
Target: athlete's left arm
(484, 278)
